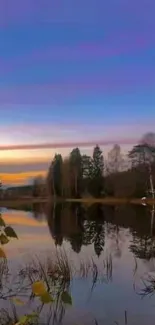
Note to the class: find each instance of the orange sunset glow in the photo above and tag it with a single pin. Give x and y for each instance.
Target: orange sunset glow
(20, 178)
(21, 218)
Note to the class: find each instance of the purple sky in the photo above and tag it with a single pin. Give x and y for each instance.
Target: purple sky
(66, 64)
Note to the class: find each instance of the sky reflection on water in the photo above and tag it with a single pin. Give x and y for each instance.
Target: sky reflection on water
(124, 233)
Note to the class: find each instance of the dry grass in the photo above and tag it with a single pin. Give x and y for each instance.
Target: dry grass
(4, 271)
(148, 287)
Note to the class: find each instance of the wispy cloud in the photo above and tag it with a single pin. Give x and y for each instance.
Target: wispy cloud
(83, 51)
(58, 93)
(16, 167)
(68, 144)
(48, 11)
(68, 135)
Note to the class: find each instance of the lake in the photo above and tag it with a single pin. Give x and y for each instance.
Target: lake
(106, 264)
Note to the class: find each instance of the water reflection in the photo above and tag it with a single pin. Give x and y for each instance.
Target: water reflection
(77, 225)
(82, 226)
(120, 243)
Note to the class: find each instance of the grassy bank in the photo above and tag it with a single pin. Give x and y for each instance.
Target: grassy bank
(109, 201)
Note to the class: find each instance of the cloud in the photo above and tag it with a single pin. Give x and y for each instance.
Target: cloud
(17, 12)
(126, 44)
(68, 144)
(28, 167)
(41, 11)
(127, 80)
(21, 162)
(36, 137)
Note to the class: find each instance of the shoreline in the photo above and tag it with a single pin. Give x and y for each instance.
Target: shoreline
(106, 201)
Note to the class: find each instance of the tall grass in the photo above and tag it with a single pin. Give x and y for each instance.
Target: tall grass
(148, 288)
(4, 271)
(59, 268)
(57, 272)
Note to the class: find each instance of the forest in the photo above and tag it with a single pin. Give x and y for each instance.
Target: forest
(80, 175)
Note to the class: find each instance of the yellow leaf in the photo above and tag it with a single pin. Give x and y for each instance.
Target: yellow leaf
(18, 302)
(38, 288)
(27, 319)
(2, 254)
(2, 223)
(23, 321)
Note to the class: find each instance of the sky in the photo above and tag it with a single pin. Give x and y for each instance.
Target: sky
(72, 72)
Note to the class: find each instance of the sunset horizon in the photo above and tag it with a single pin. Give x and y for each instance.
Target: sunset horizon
(73, 76)
(77, 162)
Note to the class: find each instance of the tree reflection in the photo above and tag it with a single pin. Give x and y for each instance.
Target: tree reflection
(143, 244)
(139, 221)
(83, 225)
(78, 225)
(54, 214)
(143, 248)
(94, 228)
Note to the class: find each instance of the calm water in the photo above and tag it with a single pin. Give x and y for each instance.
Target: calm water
(121, 242)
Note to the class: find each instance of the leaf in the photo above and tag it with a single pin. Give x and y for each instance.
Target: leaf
(2, 223)
(46, 298)
(10, 232)
(22, 321)
(25, 319)
(2, 254)
(66, 298)
(18, 302)
(38, 288)
(31, 316)
(3, 239)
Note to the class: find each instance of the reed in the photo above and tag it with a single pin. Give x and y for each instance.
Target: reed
(57, 272)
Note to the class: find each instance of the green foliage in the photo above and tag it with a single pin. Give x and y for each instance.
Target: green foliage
(77, 175)
(98, 162)
(75, 160)
(40, 289)
(27, 319)
(46, 298)
(142, 154)
(86, 166)
(5, 233)
(89, 176)
(66, 298)
(3, 239)
(9, 231)
(54, 178)
(97, 180)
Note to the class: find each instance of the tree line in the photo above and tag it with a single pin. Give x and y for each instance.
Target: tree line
(76, 175)
(81, 175)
